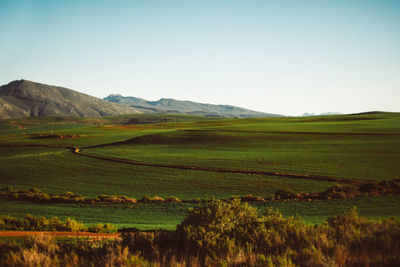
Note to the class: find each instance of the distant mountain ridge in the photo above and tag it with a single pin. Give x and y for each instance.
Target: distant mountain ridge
(168, 105)
(24, 98)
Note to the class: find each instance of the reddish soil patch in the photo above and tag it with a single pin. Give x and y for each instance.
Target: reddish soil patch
(64, 234)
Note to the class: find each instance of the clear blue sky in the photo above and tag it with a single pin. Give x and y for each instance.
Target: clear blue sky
(286, 57)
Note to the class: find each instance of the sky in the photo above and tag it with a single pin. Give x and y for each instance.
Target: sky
(285, 57)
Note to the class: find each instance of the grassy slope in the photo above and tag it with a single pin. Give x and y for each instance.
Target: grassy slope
(343, 147)
(62, 171)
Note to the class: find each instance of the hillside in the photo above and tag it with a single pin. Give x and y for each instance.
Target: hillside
(167, 105)
(23, 98)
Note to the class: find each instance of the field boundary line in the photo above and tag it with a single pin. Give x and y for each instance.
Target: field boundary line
(132, 140)
(77, 151)
(289, 132)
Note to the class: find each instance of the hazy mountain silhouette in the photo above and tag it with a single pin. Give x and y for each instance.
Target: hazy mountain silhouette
(23, 98)
(167, 105)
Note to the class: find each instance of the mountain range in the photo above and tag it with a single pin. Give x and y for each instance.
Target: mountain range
(168, 105)
(22, 98)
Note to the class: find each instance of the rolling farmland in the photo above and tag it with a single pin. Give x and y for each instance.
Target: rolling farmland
(191, 157)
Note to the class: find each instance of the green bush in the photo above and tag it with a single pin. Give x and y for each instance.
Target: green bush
(32, 223)
(103, 228)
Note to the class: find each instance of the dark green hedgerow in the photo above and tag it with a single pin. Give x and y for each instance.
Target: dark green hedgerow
(36, 195)
(365, 189)
(333, 192)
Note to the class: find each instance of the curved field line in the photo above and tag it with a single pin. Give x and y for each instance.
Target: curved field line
(77, 151)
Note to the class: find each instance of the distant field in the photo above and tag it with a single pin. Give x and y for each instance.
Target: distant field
(352, 147)
(343, 156)
(62, 171)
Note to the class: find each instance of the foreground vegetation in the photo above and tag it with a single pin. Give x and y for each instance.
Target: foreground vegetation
(227, 234)
(32, 223)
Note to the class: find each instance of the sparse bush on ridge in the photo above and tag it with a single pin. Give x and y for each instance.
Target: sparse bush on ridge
(36, 195)
(151, 199)
(366, 189)
(173, 199)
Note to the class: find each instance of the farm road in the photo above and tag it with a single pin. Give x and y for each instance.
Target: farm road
(77, 151)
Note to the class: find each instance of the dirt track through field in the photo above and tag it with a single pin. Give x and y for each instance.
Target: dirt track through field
(59, 234)
(77, 151)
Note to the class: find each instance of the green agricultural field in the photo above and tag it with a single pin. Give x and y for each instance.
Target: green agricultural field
(351, 147)
(147, 216)
(62, 171)
(36, 152)
(342, 156)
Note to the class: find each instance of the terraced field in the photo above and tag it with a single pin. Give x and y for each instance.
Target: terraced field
(195, 157)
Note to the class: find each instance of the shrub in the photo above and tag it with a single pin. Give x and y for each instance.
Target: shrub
(173, 199)
(285, 194)
(32, 223)
(103, 228)
(213, 229)
(151, 199)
